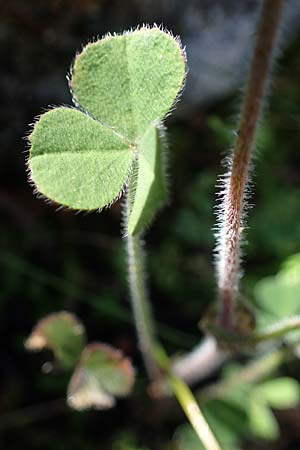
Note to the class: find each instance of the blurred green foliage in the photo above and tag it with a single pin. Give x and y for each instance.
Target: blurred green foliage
(244, 413)
(52, 261)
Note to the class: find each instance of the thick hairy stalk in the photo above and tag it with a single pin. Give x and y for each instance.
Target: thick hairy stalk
(141, 304)
(232, 209)
(201, 362)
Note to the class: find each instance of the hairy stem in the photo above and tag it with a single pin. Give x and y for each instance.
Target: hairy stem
(155, 358)
(228, 265)
(140, 302)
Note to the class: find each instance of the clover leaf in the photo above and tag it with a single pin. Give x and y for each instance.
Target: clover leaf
(102, 374)
(124, 86)
(62, 333)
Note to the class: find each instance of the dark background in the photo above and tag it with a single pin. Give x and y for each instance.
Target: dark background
(59, 260)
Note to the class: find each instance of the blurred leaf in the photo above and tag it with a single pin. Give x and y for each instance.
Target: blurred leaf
(279, 393)
(278, 296)
(261, 420)
(62, 333)
(274, 231)
(227, 420)
(102, 374)
(185, 438)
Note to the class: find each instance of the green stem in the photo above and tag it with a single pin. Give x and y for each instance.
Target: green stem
(140, 302)
(188, 403)
(277, 330)
(257, 370)
(155, 358)
(193, 412)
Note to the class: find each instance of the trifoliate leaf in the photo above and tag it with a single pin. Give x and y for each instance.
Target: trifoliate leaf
(125, 84)
(102, 374)
(279, 393)
(128, 81)
(76, 161)
(63, 334)
(148, 181)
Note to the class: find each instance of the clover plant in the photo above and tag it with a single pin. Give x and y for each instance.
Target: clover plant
(112, 144)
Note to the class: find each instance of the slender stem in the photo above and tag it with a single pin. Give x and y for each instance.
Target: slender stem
(278, 330)
(257, 370)
(155, 358)
(193, 412)
(140, 303)
(188, 403)
(272, 332)
(236, 186)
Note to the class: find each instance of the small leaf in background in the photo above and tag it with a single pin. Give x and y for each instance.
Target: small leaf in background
(278, 296)
(63, 334)
(279, 393)
(102, 374)
(149, 191)
(76, 161)
(261, 420)
(128, 81)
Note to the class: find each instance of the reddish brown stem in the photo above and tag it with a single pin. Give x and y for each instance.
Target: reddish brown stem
(234, 197)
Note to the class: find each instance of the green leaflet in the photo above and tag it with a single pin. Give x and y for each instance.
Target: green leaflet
(149, 190)
(279, 393)
(102, 374)
(261, 420)
(63, 334)
(76, 161)
(130, 80)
